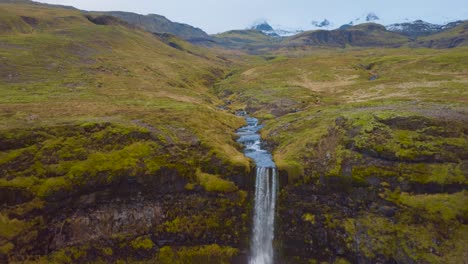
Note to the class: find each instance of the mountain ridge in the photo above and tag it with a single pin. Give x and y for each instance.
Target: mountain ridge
(160, 24)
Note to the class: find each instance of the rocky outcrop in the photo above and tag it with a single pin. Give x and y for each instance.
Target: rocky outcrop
(110, 207)
(379, 193)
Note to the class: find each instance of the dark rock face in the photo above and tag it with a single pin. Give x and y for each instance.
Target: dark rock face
(321, 223)
(107, 213)
(114, 216)
(104, 220)
(324, 23)
(159, 24)
(372, 17)
(106, 20)
(263, 27)
(378, 206)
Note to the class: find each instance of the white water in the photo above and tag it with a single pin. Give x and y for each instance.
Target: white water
(266, 186)
(264, 216)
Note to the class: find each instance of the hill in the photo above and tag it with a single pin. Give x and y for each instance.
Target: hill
(371, 145)
(364, 35)
(160, 24)
(450, 38)
(105, 124)
(420, 28)
(253, 41)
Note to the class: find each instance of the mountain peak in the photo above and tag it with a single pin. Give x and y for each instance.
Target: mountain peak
(276, 31)
(372, 17)
(323, 24)
(262, 26)
(420, 28)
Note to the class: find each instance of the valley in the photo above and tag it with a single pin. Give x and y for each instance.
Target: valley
(118, 141)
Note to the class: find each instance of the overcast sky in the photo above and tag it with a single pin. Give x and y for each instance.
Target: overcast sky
(216, 16)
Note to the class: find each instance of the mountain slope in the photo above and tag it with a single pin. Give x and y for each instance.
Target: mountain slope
(248, 40)
(106, 133)
(364, 35)
(450, 38)
(420, 28)
(160, 24)
(372, 151)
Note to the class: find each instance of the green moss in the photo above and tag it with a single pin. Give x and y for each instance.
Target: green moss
(294, 169)
(373, 171)
(309, 218)
(189, 186)
(52, 185)
(439, 206)
(107, 251)
(341, 261)
(6, 248)
(115, 163)
(200, 254)
(166, 255)
(213, 183)
(9, 228)
(20, 182)
(61, 256)
(195, 225)
(445, 173)
(13, 155)
(401, 237)
(142, 243)
(268, 116)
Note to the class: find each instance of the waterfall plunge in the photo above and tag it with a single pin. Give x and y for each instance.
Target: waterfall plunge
(266, 189)
(266, 185)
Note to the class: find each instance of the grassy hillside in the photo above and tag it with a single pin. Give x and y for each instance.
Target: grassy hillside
(372, 143)
(160, 24)
(93, 107)
(252, 41)
(364, 35)
(455, 37)
(81, 69)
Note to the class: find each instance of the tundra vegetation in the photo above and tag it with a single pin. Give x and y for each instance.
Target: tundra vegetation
(118, 145)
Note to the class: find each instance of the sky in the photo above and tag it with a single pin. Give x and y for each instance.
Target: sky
(215, 16)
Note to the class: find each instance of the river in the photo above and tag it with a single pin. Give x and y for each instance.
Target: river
(266, 189)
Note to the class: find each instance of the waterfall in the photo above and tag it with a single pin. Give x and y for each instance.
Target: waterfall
(264, 216)
(266, 189)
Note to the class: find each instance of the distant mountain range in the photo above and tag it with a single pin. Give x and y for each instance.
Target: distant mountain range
(420, 28)
(366, 30)
(275, 32)
(413, 29)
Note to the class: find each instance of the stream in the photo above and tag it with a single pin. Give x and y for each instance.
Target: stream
(266, 188)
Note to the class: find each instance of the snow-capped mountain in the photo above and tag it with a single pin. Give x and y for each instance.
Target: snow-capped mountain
(286, 32)
(278, 31)
(365, 18)
(408, 28)
(324, 24)
(420, 28)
